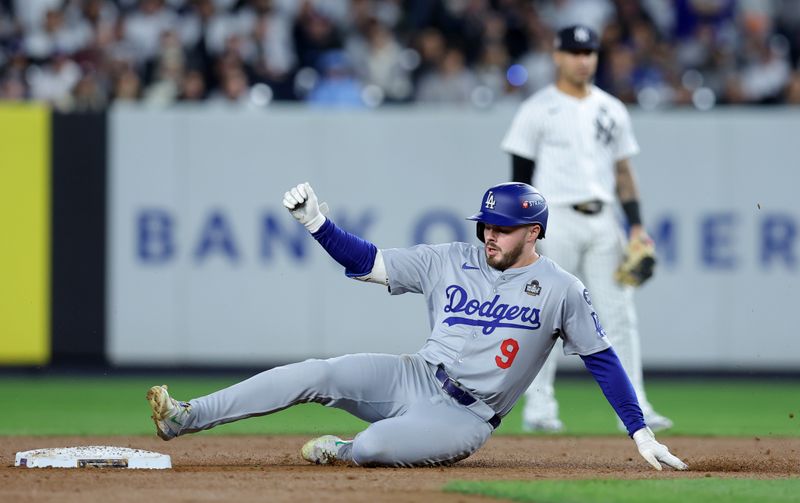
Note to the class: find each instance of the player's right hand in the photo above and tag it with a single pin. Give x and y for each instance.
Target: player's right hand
(303, 205)
(653, 451)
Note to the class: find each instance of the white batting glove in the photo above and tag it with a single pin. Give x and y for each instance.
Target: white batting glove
(302, 204)
(652, 451)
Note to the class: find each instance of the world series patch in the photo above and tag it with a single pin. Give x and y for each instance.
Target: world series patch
(533, 288)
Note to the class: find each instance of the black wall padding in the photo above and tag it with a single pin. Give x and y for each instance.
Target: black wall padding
(79, 238)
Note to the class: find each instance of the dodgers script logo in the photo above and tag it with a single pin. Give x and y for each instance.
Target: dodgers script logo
(493, 314)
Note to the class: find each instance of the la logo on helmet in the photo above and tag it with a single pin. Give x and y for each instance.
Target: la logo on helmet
(490, 201)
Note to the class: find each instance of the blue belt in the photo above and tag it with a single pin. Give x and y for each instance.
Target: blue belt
(462, 396)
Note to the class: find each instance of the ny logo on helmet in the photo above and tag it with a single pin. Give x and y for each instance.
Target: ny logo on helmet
(581, 35)
(490, 201)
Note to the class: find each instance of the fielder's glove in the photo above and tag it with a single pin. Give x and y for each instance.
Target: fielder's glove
(303, 205)
(639, 262)
(653, 451)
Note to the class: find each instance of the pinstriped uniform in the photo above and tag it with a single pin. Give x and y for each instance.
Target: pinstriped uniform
(575, 144)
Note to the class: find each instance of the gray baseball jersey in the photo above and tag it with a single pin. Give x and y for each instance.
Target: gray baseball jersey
(491, 330)
(494, 329)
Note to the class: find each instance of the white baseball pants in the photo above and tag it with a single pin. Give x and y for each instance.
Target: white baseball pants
(590, 247)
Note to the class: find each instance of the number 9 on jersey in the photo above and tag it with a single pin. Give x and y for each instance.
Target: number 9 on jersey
(509, 348)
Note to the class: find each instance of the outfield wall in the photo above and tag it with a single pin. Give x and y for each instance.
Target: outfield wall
(206, 267)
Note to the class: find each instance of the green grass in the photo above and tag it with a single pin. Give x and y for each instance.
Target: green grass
(711, 407)
(634, 491)
(116, 406)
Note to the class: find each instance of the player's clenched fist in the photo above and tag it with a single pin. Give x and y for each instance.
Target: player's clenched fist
(303, 205)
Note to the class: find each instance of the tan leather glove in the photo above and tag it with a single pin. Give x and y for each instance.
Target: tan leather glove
(639, 262)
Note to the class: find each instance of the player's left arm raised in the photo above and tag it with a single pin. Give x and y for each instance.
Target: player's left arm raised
(361, 259)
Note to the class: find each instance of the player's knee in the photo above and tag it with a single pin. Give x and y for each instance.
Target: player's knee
(316, 374)
(368, 450)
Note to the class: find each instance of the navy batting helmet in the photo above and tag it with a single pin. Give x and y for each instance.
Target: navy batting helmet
(512, 204)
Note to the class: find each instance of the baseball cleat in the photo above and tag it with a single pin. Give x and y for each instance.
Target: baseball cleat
(323, 450)
(543, 426)
(169, 415)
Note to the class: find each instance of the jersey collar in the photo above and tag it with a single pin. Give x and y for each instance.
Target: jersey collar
(516, 271)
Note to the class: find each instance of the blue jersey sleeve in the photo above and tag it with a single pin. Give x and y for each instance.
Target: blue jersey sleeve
(609, 374)
(355, 254)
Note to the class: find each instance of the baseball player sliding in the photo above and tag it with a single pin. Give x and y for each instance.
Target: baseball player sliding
(496, 311)
(575, 141)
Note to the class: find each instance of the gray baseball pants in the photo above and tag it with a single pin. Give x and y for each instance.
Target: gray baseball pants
(414, 422)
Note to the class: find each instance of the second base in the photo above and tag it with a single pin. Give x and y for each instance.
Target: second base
(95, 456)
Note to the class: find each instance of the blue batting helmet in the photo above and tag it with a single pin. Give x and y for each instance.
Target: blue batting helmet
(510, 205)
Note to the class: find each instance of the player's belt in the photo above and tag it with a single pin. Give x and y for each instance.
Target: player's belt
(462, 396)
(589, 207)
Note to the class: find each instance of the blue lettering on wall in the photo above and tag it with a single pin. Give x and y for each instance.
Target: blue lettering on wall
(664, 234)
(216, 237)
(294, 236)
(779, 234)
(716, 241)
(154, 231)
(156, 237)
(443, 218)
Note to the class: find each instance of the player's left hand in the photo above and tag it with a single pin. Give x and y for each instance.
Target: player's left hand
(653, 451)
(638, 232)
(639, 262)
(301, 201)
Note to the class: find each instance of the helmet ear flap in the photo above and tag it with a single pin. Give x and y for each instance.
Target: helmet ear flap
(480, 227)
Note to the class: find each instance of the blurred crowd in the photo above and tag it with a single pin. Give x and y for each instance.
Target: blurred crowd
(87, 54)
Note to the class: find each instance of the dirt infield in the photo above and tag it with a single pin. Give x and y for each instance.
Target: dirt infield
(236, 468)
